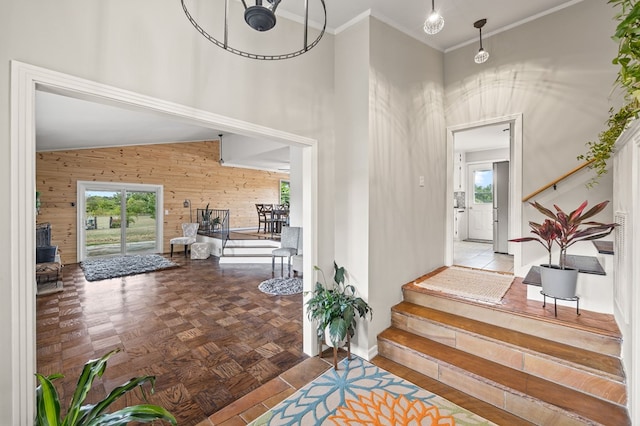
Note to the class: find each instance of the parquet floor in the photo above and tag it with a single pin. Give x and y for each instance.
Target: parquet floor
(204, 330)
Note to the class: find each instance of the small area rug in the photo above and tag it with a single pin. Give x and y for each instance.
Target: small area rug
(120, 266)
(482, 286)
(360, 393)
(281, 286)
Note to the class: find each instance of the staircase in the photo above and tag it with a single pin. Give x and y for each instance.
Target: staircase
(537, 368)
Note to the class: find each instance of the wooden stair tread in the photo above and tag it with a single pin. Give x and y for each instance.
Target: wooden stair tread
(462, 399)
(596, 361)
(573, 401)
(592, 322)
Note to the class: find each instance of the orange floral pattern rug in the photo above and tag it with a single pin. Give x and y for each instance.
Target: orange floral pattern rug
(360, 393)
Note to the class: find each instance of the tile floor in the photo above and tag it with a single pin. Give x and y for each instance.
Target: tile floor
(481, 256)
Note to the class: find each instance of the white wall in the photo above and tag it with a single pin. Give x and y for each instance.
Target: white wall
(149, 47)
(352, 163)
(407, 140)
(557, 72)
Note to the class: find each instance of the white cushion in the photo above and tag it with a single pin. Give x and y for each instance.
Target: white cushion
(183, 240)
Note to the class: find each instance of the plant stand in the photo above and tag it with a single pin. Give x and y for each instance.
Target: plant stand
(555, 302)
(335, 350)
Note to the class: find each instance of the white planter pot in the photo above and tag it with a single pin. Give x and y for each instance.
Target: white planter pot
(329, 342)
(560, 283)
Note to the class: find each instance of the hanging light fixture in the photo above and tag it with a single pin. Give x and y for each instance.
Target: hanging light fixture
(482, 55)
(434, 22)
(221, 161)
(261, 17)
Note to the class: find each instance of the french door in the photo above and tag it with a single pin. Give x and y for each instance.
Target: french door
(118, 218)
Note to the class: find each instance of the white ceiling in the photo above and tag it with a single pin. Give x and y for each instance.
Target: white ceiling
(64, 123)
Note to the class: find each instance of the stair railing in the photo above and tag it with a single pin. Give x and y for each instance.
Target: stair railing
(555, 182)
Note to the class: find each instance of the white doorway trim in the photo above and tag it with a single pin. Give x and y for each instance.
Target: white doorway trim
(25, 79)
(515, 182)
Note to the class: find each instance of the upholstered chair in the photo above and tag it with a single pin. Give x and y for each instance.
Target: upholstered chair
(289, 244)
(189, 233)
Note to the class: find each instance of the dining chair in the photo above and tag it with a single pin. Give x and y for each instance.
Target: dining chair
(189, 234)
(265, 216)
(289, 245)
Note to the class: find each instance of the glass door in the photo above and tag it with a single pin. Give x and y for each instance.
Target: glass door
(140, 230)
(102, 223)
(118, 219)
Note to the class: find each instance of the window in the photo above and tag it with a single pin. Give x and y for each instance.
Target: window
(284, 192)
(483, 186)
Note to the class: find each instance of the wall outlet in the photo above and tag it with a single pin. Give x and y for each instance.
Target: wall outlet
(421, 181)
(166, 212)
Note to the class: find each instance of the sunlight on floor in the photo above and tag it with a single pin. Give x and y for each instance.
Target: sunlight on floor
(481, 256)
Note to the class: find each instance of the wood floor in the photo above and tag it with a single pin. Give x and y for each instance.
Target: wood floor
(207, 333)
(204, 330)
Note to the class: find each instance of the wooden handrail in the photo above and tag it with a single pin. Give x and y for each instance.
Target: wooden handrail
(555, 182)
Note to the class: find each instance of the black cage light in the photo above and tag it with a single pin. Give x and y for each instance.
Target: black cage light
(261, 17)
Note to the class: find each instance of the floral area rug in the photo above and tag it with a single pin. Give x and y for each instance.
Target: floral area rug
(120, 266)
(360, 393)
(281, 286)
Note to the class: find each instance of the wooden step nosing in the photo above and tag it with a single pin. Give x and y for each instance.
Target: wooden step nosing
(522, 349)
(571, 393)
(482, 380)
(601, 343)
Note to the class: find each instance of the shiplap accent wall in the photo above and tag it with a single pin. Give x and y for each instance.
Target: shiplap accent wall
(186, 170)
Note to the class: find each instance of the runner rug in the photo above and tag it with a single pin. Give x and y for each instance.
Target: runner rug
(120, 266)
(473, 284)
(360, 393)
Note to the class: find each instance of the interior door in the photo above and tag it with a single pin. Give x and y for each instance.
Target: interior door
(480, 202)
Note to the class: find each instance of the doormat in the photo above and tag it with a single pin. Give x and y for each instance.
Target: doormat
(281, 286)
(482, 286)
(360, 393)
(121, 266)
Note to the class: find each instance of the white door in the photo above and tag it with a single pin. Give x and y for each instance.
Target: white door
(480, 197)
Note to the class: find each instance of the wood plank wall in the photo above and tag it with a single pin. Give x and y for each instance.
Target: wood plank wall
(188, 171)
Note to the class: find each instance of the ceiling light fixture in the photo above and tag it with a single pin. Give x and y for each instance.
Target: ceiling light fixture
(261, 17)
(434, 22)
(482, 55)
(221, 161)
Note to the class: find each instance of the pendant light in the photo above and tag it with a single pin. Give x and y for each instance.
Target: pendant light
(261, 17)
(482, 55)
(434, 22)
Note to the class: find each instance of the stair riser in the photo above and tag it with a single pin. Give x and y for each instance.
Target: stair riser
(248, 259)
(524, 406)
(571, 375)
(531, 326)
(248, 251)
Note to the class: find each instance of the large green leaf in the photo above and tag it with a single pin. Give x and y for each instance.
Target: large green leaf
(47, 402)
(139, 413)
(92, 369)
(115, 394)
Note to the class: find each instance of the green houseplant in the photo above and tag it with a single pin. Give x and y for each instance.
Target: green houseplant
(628, 78)
(334, 308)
(48, 404)
(564, 230)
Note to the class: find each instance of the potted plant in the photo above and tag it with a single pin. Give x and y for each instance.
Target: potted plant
(48, 403)
(564, 230)
(335, 308)
(206, 218)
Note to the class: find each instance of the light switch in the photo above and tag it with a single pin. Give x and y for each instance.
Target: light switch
(166, 212)
(421, 181)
